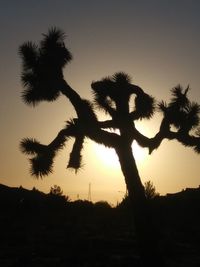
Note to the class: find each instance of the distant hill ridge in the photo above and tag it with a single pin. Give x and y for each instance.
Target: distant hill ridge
(21, 198)
(16, 194)
(188, 192)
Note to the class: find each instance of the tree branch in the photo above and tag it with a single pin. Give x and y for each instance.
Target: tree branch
(82, 107)
(108, 124)
(154, 143)
(75, 155)
(58, 142)
(164, 133)
(188, 140)
(103, 137)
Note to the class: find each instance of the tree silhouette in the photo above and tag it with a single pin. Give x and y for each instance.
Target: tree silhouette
(43, 80)
(56, 197)
(56, 191)
(150, 190)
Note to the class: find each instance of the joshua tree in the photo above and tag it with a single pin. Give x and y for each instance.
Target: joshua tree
(43, 80)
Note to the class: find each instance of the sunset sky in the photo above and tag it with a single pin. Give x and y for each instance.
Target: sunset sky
(157, 42)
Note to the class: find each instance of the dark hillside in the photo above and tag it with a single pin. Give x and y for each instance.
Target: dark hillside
(38, 229)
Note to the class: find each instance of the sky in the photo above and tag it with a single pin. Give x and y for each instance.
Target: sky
(156, 42)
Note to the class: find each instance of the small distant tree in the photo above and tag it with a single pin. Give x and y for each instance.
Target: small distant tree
(56, 196)
(43, 80)
(56, 190)
(102, 205)
(150, 190)
(34, 189)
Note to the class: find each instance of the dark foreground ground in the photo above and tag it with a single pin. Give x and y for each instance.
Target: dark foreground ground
(39, 230)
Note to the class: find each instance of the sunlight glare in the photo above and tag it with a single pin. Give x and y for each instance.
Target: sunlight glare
(109, 157)
(139, 152)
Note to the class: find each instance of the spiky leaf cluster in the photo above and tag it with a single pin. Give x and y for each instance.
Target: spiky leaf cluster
(31, 146)
(144, 106)
(112, 94)
(43, 156)
(42, 67)
(75, 158)
(42, 164)
(42, 160)
(111, 89)
(179, 97)
(181, 112)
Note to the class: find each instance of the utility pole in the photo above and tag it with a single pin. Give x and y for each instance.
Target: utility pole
(89, 193)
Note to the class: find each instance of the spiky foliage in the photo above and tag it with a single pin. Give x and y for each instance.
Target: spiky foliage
(181, 112)
(112, 94)
(52, 49)
(43, 155)
(179, 97)
(121, 78)
(192, 114)
(75, 155)
(144, 106)
(42, 164)
(115, 88)
(101, 93)
(31, 146)
(42, 67)
(162, 107)
(29, 53)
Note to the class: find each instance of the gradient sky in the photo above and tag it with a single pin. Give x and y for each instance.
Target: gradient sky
(155, 41)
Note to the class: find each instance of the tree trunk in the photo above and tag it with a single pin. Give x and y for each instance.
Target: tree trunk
(146, 234)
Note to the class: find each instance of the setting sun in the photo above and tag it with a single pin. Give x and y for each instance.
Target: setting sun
(139, 153)
(106, 155)
(109, 157)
